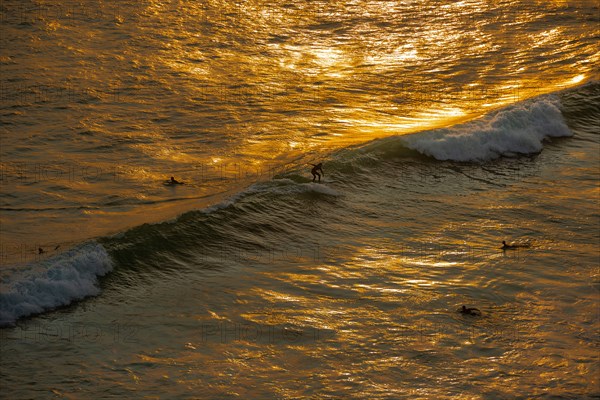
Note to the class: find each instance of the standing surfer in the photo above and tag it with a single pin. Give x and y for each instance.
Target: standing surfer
(315, 171)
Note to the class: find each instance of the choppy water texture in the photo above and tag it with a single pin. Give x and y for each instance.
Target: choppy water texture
(444, 129)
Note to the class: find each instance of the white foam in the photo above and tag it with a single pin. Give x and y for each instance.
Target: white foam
(319, 188)
(517, 129)
(55, 282)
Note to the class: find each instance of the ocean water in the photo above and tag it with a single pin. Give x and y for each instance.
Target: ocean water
(444, 128)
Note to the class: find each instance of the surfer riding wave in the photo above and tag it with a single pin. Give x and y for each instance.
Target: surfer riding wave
(315, 171)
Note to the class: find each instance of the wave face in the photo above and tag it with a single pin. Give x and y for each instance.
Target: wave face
(246, 89)
(269, 213)
(55, 282)
(517, 129)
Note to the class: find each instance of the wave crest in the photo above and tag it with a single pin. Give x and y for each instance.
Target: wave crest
(516, 129)
(53, 283)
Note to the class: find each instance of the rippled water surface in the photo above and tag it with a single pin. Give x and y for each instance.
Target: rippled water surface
(102, 101)
(443, 128)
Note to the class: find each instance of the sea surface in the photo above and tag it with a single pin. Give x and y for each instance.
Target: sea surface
(444, 128)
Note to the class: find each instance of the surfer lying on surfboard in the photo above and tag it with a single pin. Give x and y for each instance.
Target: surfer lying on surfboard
(315, 171)
(470, 311)
(513, 245)
(174, 181)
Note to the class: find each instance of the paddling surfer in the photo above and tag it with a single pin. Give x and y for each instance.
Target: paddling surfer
(470, 311)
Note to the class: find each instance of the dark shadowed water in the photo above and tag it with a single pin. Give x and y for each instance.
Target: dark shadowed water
(444, 128)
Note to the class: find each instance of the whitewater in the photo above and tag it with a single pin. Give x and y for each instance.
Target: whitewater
(443, 129)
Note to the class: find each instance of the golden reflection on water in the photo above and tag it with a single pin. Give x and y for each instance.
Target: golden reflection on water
(365, 82)
(314, 66)
(263, 84)
(217, 83)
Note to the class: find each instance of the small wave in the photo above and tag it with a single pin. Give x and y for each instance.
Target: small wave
(516, 129)
(291, 186)
(52, 283)
(277, 187)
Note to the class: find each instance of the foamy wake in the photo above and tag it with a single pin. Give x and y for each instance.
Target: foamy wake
(55, 282)
(517, 129)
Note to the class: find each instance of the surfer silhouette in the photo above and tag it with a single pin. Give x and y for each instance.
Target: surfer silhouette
(174, 181)
(513, 245)
(315, 171)
(470, 311)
